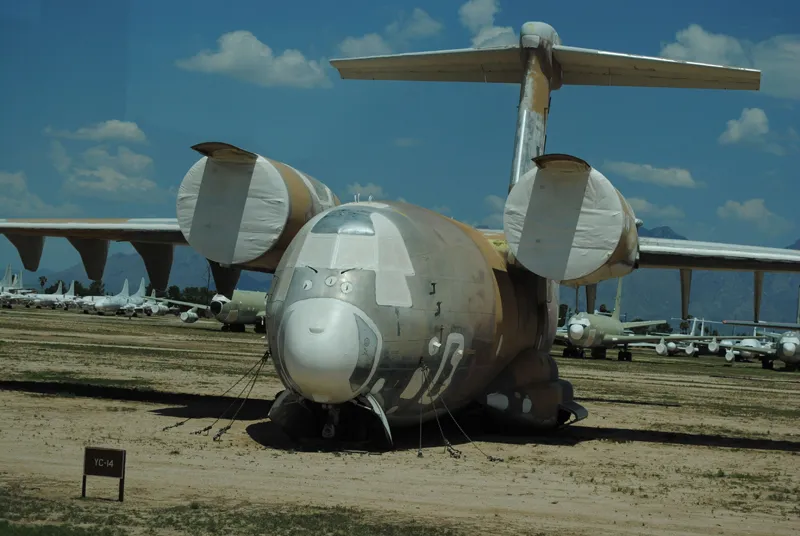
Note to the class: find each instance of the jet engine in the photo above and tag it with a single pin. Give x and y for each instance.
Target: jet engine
(729, 355)
(661, 348)
(713, 346)
(189, 317)
(565, 221)
(240, 208)
(690, 349)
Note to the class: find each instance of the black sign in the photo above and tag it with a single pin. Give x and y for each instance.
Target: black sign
(104, 462)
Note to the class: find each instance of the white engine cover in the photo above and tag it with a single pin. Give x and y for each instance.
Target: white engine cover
(565, 221)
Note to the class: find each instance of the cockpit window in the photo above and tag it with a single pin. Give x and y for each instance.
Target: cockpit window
(350, 221)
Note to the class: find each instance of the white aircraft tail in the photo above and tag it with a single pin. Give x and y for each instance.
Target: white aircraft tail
(60, 288)
(124, 292)
(798, 306)
(570, 195)
(7, 278)
(617, 300)
(142, 289)
(71, 292)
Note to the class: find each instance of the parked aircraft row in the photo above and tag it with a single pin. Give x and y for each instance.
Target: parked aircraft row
(392, 311)
(242, 309)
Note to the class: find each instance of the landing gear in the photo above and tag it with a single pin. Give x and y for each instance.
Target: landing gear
(260, 327)
(767, 364)
(598, 353)
(624, 355)
(329, 430)
(572, 351)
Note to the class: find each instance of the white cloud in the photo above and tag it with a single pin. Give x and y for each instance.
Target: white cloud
(97, 172)
(106, 182)
(677, 177)
(59, 157)
(478, 17)
(495, 205)
(112, 130)
(646, 208)
(752, 128)
(756, 212)
(396, 36)
(406, 142)
(367, 45)
(125, 160)
(242, 56)
(16, 200)
(418, 26)
(366, 190)
(777, 57)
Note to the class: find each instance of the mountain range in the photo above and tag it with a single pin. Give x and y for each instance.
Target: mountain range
(647, 294)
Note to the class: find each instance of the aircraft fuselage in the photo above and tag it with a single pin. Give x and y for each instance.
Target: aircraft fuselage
(415, 310)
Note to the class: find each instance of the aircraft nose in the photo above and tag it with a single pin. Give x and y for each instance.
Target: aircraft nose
(789, 348)
(575, 331)
(329, 348)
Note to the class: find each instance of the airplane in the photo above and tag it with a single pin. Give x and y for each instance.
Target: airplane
(600, 331)
(58, 299)
(391, 314)
(667, 346)
(122, 301)
(38, 299)
(90, 303)
(242, 308)
(787, 343)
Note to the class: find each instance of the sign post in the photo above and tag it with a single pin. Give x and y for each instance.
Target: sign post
(104, 462)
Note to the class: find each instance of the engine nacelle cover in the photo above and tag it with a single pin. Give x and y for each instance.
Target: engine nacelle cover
(235, 207)
(189, 317)
(565, 221)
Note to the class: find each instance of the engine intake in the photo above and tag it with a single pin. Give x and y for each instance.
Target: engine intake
(565, 221)
(240, 208)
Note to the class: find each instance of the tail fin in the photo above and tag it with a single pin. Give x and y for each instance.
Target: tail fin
(60, 288)
(540, 64)
(617, 300)
(6, 278)
(798, 306)
(694, 327)
(142, 289)
(71, 292)
(153, 293)
(124, 291)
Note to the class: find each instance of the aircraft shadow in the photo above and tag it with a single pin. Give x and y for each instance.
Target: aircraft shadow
(475, 424)
(184, 405)
(479, 428)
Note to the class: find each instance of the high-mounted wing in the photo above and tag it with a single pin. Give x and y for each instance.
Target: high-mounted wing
(238, 209)
(153, 239)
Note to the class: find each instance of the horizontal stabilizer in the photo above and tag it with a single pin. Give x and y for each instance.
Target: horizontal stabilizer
(498, 65)
(579, 66)
(589, 67)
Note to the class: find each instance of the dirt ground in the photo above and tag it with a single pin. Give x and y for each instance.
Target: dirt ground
(671, 446)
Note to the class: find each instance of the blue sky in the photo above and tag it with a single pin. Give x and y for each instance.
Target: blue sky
(104, 99)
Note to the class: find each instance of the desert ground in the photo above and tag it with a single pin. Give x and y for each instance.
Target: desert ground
(672, 446)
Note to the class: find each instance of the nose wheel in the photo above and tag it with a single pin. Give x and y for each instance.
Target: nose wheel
(329, 430)
(624, 355)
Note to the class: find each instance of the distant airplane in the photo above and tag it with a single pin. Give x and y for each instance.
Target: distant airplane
(390, 312)
(787, 347)
(243, 308)
(599, 332)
